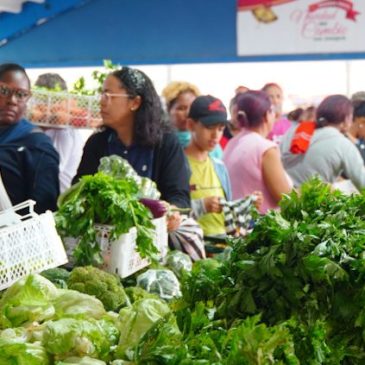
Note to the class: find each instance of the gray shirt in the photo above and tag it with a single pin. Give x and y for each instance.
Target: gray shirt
(329, 155)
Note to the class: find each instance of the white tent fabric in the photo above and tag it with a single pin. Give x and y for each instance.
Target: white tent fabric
(15, 6)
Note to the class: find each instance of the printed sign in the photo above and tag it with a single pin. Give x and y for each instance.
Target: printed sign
(281, 27)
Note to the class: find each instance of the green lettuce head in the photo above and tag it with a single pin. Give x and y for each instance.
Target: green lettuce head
(71, 303)
(79, 337)
(27, 301)
(15, 351)
(136, 321)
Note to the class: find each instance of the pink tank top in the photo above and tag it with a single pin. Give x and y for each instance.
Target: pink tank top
(243, 159)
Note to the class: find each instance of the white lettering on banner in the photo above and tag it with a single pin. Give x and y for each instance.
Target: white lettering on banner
(300, 26)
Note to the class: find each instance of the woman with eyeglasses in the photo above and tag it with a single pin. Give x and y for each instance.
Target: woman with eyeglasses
(134, 129)
(29, 164)
(253, 162)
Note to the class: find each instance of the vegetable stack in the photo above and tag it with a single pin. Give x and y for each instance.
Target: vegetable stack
(304, 268)
(103, 199)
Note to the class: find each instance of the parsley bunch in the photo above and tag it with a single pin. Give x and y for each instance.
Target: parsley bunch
(102, 199)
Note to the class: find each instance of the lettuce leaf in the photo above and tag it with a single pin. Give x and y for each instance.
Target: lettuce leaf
(136, 321)
(78, 337)
(26, 301)
(15, 351)
(71, 303)
(80, 361)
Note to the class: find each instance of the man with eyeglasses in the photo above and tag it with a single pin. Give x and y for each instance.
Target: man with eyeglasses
(29, 164)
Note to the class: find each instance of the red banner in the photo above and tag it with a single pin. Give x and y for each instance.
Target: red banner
(346, 5)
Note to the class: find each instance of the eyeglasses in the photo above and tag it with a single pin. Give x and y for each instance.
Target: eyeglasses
(108, 96)
(21, 95)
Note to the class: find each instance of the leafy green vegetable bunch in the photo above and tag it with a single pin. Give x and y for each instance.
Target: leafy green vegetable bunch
(307, 264)
(102, 199)
(204, 341)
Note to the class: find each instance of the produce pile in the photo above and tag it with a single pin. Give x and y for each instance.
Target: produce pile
(291, 292)
(60, 109)
(110, 197)
(77, 108)
(302, 270)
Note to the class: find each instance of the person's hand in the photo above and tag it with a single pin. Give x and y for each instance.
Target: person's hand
(173, 219)
(212, 205)
(259, 199)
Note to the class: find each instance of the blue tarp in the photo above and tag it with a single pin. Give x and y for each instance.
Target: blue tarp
(83, 33)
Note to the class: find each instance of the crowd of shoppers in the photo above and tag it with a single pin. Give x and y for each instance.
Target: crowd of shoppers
(198, 157)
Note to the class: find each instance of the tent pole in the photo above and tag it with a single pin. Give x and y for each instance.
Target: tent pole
(168, 74)
(348, 78)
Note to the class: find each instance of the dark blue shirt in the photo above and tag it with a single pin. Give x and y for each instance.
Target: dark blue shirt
(139, 157)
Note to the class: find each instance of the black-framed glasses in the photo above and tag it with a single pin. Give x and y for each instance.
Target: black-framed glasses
(7, 91)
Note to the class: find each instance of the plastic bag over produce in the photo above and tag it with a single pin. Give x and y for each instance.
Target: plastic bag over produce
(120, 168)
(161, 282)
(178, 262)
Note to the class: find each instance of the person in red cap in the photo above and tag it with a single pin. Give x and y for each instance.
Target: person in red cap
(209, 181)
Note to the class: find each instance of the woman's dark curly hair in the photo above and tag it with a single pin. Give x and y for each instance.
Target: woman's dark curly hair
(148, 123)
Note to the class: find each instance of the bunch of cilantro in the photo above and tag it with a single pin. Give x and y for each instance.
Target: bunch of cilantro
(102, 199)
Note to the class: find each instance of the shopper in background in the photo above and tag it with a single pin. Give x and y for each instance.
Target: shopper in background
(67, 140)
(210, 185)
(358, 97)
(28, 160)
(281, 124)
(253, 162)
(356, 132)
(302, 114)
(357, 129)
(178, 97)
(209, 181)
(321, 148)
(233, 127)
(132, 115)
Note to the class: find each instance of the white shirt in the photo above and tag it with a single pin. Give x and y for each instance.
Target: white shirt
(69, 143)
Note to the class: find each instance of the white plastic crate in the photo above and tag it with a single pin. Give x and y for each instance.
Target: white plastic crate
(62, 109)
(121, 256)
(30, 244)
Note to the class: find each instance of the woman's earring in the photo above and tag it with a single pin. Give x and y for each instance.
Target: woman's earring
(132, 109)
